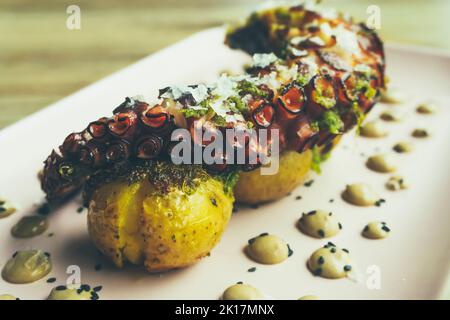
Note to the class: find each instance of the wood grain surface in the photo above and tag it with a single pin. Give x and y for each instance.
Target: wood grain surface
(41, 61)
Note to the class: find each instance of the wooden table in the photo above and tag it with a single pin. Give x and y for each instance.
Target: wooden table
(42, 61)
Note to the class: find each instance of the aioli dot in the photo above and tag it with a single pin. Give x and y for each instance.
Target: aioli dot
(319, 224)
(242, 291)
(376, 230)
(374, 129)
(360, 194)
(330, 262)
(403, 147)
(382, 163)
(30, 226)
(268, 249)
(27, 266)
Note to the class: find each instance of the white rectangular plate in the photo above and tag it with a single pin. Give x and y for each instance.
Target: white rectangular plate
(413, 261)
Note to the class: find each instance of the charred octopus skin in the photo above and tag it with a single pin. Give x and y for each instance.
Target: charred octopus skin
(339, 75)
(326, 73)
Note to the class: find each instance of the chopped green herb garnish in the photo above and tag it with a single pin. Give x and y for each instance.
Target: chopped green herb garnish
(331, 122)
(316, 159)
(251, 88)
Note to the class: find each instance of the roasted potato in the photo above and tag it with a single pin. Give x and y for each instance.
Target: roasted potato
(254, 188)
(167, 218)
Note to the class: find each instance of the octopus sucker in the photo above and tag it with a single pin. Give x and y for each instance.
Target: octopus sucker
(313, 78)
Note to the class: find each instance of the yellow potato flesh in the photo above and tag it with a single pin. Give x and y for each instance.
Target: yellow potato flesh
(136, 223)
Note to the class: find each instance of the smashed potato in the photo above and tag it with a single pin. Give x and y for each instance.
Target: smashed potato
(164, 219)
(254, 188)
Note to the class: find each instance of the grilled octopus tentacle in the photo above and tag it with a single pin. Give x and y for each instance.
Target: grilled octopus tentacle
(326, 73)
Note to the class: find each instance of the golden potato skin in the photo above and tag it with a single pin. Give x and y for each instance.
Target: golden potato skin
(137, 223)
(254, 188)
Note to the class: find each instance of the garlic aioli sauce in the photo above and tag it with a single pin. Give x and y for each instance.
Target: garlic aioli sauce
(267, 249)
(319, 224)
(240, 291)
(403, 147)
(6, 208)
(376, 230)
(30, 226)
(330, 262)
(382, 163)
(27, 266)
(374, 129)
(360, 194)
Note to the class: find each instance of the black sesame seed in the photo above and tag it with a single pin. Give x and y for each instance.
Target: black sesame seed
(385, 228)
(264, 234)
(80, 209)
(290, 251)
(331, 244)
(321, 233)
(333, 250)
(98, 288)
(347, 268)
(331, 200)
(15, 254)
(318, 271)
(321, 260)
(85, 287)
(298, 198)
(380, 202)
(330, 214)
(345, 250)
(51, 234)
(94, 296)
(239, 282)
(47, 254)
(309, 183)
(250, 241)
(253, 269)
(366, 228)
(60, 288)
(339, 225)
(313, 212)
(51, 280)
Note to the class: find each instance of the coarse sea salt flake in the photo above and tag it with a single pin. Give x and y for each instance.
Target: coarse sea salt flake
(262, 60)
